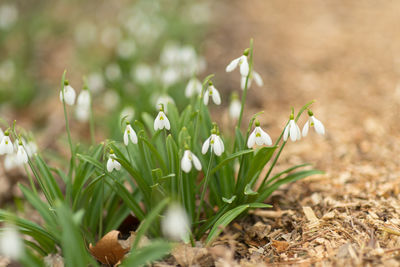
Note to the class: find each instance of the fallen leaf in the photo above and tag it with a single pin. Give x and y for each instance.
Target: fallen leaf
(109, 250)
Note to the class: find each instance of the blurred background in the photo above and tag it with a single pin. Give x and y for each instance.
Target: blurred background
(344, 54)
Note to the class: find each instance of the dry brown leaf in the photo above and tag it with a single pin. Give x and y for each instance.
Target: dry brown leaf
(109, 250)
(280, 246)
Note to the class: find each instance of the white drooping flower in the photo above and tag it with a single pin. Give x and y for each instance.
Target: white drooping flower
(176, 225)
(216, 143)
(259, 137)
(69, 94)
(21, 157)
(164, 100)
(254, 75)
(31, 148)
(213, 92)
(10, 162)
(6, 146)
(242, 62)
(161, 120)
(292, 130)
(95, 82)
(234, 107)
(312, 121)
(11, 244)
(193, 87)
(187, 160)
(112, 163)
(82, 111)
(130, 134)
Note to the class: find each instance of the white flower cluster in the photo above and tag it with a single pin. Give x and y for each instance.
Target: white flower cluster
(292, 130)
(82, 110)
(16, 154)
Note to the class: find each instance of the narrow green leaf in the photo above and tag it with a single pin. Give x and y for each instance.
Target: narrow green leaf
(229, 159)
(155, 251)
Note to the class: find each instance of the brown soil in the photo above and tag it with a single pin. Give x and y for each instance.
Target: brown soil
(344, 54)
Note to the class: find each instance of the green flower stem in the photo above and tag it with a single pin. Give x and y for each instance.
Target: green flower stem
(91, 122)
(72, 162)
(244, 95)
(206, 181)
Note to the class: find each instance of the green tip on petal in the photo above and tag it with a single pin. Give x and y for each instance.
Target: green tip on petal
(246, 52)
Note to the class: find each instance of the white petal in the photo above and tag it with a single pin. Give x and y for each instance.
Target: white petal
(298, 133)
(305, 128)
(206, 96)
(205, 146)
(257, 78)
(166, 123)
(186, 164)
(293, 130)
(266, 138)
(252, 139)
(215, 96)
(218, 146)
(286, 132)
(232, 65)
(196, 162)
(133, 137)
(243, 82)
(319, 127)
(126, 138)
(244, 67)
(157, 122)
(110, 165)
(234, 109)
(117, 165)
(189, 90)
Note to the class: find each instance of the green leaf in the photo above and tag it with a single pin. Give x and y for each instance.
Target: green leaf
(91, 160)
(139, 257)
(228, 217)
(229, 159)
(229, 200)
(290, 178)
(248, 191)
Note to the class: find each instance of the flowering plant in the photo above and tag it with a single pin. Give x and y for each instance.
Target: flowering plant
(152, 167)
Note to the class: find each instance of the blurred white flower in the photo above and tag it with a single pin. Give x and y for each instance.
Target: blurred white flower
(7, 70)
(82, 114)
(82, 110)
(292, 130)
(111, 99)
(254, 75)
(217, 146)
(213, 92)
(234, 107)
(85, 33)
(142, 73)
(187, 160)
(31, 148)
(161, 121)
(176, 225)
(113, 72)
(6, 146)
(199, 12)
(170, 76)
(21, 156)
(126, 49)
(193, 87)
(312, 121)
(164, 100)
(242, 62)
(69, 94)
(11, 244)
(130, 134)
(259, 137)
(128, 113)
(8, 16)
(95, 82)
(112, 163)
(10, 162)
(1, 134)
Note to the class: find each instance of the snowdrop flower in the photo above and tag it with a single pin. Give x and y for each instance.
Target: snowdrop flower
(82, 111)
(142, 73)
(217, 146)
(234, 107)
(259, 137)
(126, 49)
(161, 120)
(31, 148)
(254, 75)
(10, 162)
(242, 62)
(128, 113)
(11, 244)
(130, 134)
(21, 157)
(113, 72)
(6, 146)
(213, 92)
(292, 130)
(1, 134)
(175, 225)
(112, 163)
(164, 100)
(312, 121)
(193, 87)
(95, 82)
(187, 160)
(69, 94)
(8, 16)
